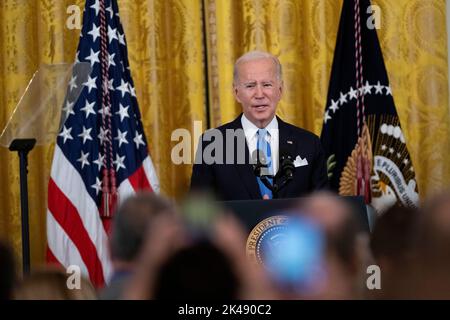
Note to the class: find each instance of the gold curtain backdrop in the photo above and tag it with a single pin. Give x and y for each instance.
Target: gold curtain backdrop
(166, 46)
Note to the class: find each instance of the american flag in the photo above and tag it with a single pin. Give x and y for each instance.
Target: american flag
(101, 153)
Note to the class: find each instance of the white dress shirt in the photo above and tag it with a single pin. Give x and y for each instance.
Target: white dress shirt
(251, 131)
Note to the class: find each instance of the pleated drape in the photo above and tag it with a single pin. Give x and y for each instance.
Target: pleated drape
(181, 57)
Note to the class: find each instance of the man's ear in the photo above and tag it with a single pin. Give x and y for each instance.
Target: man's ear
(281, 87)
(235, 93)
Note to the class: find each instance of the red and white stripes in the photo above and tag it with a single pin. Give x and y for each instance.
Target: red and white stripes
(75, 232)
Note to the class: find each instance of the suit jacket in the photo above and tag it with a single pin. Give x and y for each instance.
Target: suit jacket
(238, 182)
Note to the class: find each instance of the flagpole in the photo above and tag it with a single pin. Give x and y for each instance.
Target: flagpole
(23, 147)
(205, 58)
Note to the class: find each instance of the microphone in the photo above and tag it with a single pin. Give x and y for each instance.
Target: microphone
(261, 170)
(260, 163)
(287, 167)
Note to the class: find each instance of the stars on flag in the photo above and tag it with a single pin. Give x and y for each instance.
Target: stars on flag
(72, 82)
(84, 159)
(367, 88)
(121, 137)
(353, 94)
(95, 32)
(132, 90)
(138, 140)
(103, 135)
(111, 84)
(89, 125)
(345, 97)
(378, 88)
(326, 117)
(121, 38)
(85, 135)
(334, 106)
(88, 108)
(77, 57)
(96, 7)
(400, 155)
(110, 10)
(119, 162)
(99, 161)
(342, 98)
(101, 129)
(93, 57)
(90, 83)
(123, 112)
(65, 134)
(68, 109)
(123, 88)
(111, 60)
(112, 34)
(388, 90)
(97, 186)
(106, 111)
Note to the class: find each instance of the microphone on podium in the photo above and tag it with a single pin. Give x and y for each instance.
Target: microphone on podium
(287, 166)
(260, 164)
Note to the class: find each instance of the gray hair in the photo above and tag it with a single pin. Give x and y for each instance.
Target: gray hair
(256, 55)
(131, 221)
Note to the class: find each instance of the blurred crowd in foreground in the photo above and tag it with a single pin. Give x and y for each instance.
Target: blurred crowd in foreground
(197, 251)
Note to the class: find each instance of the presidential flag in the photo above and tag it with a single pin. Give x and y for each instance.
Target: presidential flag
(101, 154)
(362, 136)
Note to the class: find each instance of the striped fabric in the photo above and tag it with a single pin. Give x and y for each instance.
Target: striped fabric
(100, 150)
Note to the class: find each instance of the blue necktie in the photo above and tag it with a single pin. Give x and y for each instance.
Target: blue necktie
(264, 147)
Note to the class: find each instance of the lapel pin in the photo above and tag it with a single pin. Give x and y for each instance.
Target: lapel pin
(289, 141)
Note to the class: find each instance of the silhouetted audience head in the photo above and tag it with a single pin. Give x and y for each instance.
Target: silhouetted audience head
(53, 283)
(338, 221)
(7, 272)
(430, 271)
(394, 235)
(201, 255)
(129, 229)
(392, 243)
(182, 260)
(435, 228)
(197, 272)
(131, 222)
(346, 245)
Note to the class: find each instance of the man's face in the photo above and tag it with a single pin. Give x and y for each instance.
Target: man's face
(258, 90)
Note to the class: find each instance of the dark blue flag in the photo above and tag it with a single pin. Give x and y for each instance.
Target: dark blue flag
(365, 145)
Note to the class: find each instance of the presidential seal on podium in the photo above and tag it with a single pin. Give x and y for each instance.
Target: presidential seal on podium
(266, 237)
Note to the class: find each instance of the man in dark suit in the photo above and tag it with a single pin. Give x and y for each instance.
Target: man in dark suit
(226, 156)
